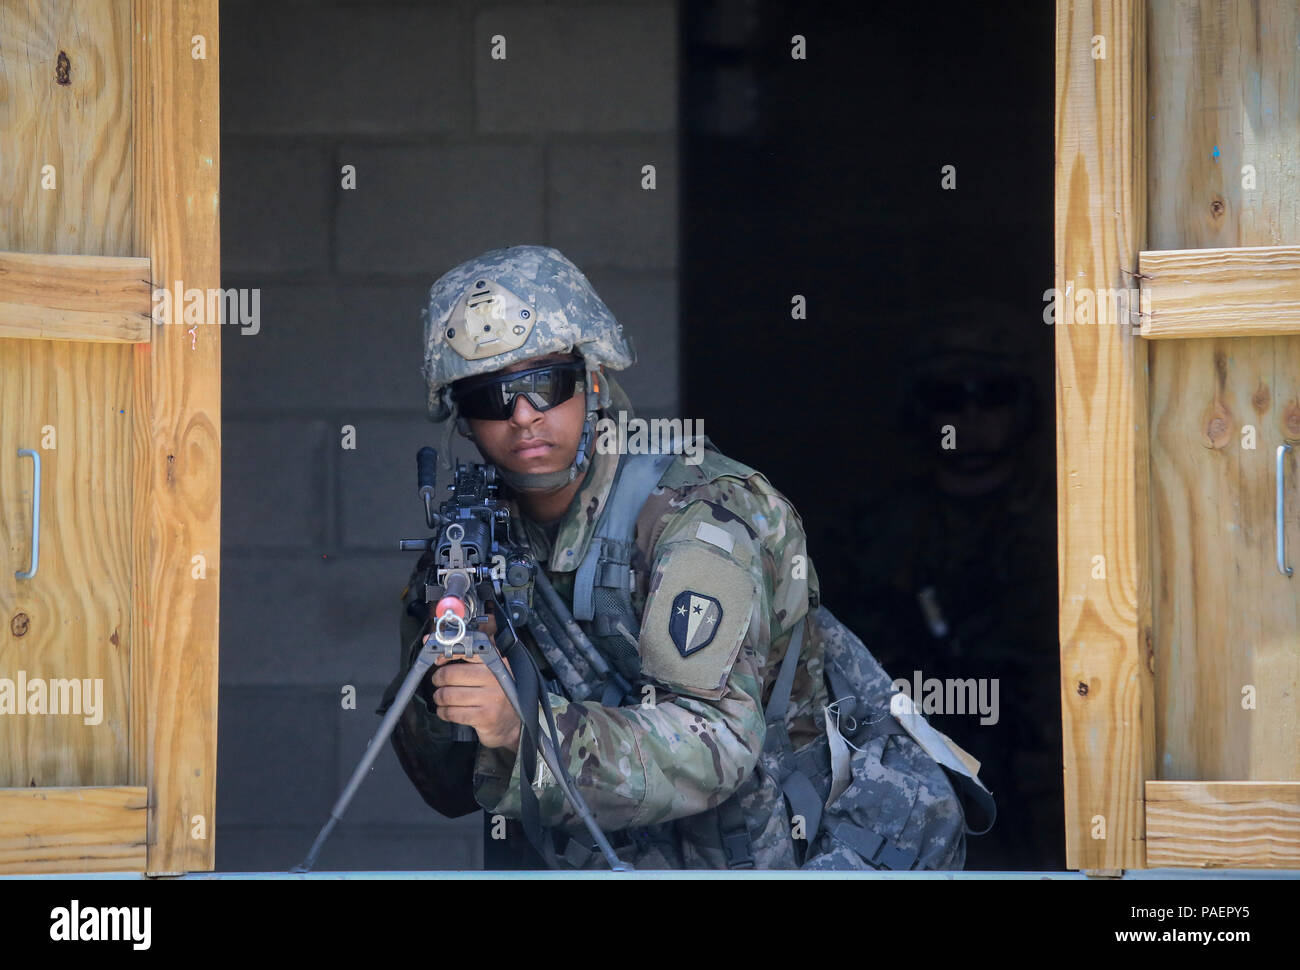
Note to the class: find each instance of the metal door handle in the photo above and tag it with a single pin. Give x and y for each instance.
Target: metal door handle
(36, 512)
(1282, 567)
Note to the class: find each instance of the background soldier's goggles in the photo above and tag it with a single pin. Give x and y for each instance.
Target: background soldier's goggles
(951, 394)
(493, 398)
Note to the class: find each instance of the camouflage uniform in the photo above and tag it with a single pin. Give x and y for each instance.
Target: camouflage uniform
(651, 771)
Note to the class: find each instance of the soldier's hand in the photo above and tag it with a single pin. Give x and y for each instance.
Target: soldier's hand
(467, 693)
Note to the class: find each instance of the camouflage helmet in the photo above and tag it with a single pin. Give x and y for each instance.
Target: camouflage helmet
(514, 304)
(509, 305)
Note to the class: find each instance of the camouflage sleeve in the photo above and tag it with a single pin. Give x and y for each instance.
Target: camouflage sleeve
(441, 769)
(698, 732)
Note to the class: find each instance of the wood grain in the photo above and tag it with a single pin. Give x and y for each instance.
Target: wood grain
(177, 431)
(96, 298)
(68, 400)
(50, 830)
(1225, 93)
(1248, 292)
(1102, 460)
(43, 323)
(1239, 825)
(81, 130)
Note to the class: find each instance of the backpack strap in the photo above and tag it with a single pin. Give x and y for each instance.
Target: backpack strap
(609, 547)
(779, 702)
(602, 586)
(733, 833)
(800, 793)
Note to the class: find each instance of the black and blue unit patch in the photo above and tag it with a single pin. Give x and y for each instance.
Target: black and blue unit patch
(693, 621)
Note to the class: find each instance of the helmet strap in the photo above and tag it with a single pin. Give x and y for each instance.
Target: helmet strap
(553, 481)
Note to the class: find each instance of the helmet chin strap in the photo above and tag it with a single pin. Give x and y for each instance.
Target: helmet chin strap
(553, 481)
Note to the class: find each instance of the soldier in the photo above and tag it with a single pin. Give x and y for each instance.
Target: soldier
(518, 357)
(954, 574)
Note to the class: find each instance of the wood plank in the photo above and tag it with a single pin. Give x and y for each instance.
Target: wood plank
(59, 297)
(76, 623)
(1102, 464)
(22, 321)
(1225, 93)
(68, 400)
(177, 430)
(1232, 824)
(1253, 291)
(65, 172)
(49, 830)
(108, 283)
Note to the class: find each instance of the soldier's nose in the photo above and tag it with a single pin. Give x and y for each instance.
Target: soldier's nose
(524, 413)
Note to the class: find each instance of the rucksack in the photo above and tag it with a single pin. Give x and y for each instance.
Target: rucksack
(879, 788)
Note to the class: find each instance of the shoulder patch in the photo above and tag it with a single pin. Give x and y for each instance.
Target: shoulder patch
(696, 618)
(693, 622)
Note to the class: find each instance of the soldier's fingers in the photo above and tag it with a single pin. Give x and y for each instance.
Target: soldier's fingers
(459, 696)
(443, 659)
(461, 715)
(465, 675)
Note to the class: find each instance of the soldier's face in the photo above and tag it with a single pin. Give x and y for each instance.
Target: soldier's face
(532, 441)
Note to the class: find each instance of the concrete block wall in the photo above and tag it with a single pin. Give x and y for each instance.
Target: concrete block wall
(454, 152)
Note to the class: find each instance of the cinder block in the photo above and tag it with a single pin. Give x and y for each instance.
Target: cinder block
(389, 68)
(276, 755)
(334, 349)
(378, 499)
(275, 207)
(260, 848)
(274, 482)
(577, 68)
(390, 848)
(321, 619)
(598, 212)
(420, 211)
(272, 848)
(646, 305)
(387, 796)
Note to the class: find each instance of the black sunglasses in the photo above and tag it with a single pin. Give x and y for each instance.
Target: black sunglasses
(493, 398)
(951, 394)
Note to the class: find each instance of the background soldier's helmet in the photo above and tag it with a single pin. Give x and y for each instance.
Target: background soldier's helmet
(508, 305)
(971, 343)
(513, 304)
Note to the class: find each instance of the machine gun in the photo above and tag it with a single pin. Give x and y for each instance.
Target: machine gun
(478, 572)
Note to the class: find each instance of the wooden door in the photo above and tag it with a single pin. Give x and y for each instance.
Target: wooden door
(108, 182)
(1178, 185)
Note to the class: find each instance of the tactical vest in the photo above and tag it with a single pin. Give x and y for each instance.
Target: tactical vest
(879, 789)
